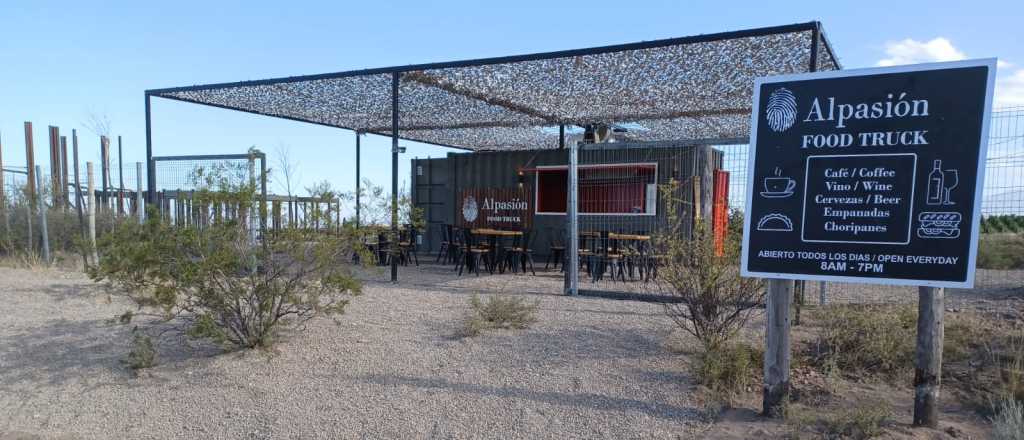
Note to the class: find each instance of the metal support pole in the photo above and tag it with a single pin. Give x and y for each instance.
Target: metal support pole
(561, 136)
(140, 208)
(42, 215)
(395, 78)
(822, 293)
(777, 350)
(572, 265)
(263, 198)
(150, 165)
(358, 182)
(928, 355)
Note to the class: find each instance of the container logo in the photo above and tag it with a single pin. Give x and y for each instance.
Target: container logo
(470, 209)
(781, 111)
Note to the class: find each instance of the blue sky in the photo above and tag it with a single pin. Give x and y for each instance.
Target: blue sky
(61, 61)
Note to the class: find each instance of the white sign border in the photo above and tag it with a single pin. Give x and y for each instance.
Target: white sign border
(982, 156)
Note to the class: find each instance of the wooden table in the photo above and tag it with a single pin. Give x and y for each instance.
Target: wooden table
(496, 232)
(636, 237)
(492, 237)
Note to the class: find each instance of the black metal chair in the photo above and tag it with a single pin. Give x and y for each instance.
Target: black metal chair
(472, 256)
(520, 254)
(407, 245)
(446, 240)
(556, 251)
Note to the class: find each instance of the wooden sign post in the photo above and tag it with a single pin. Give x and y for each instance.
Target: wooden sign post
(867, 176)
(928, 355)
(777, 347)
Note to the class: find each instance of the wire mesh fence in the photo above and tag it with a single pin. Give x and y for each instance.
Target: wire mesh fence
(1002, 210)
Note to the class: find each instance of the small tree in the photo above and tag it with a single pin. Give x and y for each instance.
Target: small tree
(212, 280)
(714, 301)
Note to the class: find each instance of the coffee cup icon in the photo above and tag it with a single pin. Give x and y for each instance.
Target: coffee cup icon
(777, 187)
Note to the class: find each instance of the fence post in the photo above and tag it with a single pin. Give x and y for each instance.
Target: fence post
(42, 214)
(777, 350)
(139, 208)
(928, 355)
(91, 183)
(822, 293)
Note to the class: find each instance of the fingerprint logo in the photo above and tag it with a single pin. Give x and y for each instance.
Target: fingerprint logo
(469, 209)
(781, 112)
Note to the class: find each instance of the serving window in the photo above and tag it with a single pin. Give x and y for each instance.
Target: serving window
(612, 189)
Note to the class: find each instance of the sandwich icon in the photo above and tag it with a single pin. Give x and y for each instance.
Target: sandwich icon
(938, 225)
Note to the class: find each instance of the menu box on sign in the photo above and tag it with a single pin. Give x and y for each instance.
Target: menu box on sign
(859, 198)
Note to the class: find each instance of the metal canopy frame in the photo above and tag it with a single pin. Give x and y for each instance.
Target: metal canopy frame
(688, 87)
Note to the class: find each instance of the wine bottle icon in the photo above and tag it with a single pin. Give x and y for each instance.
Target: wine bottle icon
(940, 184)
(935, 184)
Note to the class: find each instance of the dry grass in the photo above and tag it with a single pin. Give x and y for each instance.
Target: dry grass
(498, 312)
(865, 340)
(1008, 423)
(862, 421)
(729, 370)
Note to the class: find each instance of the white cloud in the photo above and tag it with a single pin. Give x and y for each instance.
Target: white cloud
(1010, 90)
(911, 51)
(1009, 84)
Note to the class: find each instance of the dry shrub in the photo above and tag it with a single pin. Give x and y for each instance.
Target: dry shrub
(866, 339)
(497, 313)
(712, 301)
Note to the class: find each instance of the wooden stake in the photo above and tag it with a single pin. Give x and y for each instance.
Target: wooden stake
(42, 217)
(30, 163)
(139, 206)
(777, 351)
(3, 199)
(55, 196)
(91, 183)
(928, 356)
(65, 201)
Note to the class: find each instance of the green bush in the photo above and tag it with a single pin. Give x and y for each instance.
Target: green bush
(1006, 223)
(1001, 251)
(214, 281)
(866, 339)
(142, 354)
(498, 312)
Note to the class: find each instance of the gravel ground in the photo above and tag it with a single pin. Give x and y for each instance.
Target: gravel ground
(392, 367)
(589, 368)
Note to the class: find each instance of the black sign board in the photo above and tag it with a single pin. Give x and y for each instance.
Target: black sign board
(869, 175)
